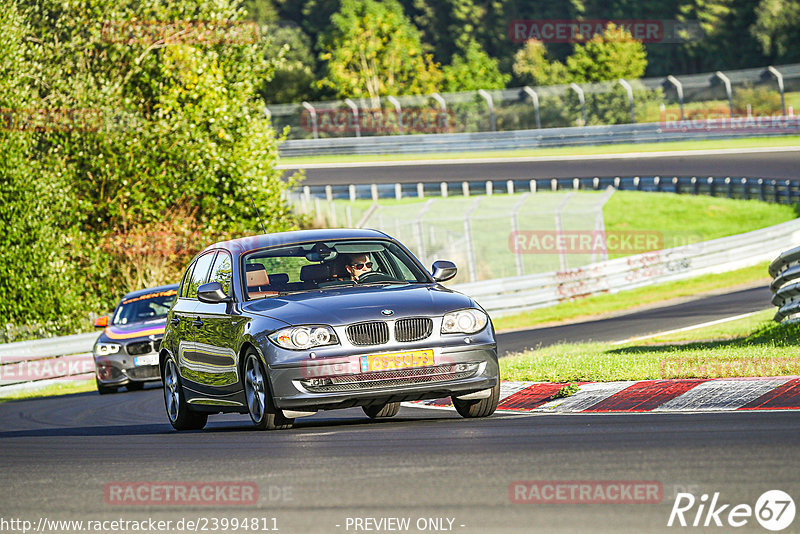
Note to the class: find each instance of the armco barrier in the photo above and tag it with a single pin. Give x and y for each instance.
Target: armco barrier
(511, 295)
(785, 286)
(550, 137)
(28, 364)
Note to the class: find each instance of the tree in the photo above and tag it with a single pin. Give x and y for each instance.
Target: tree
(612, 55)
(474, 70)
(294, 77)
(373, 50)
(533, 67)
(777, 29)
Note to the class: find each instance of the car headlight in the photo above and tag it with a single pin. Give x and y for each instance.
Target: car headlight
(104, 349)
(464, 322)
(304, 337)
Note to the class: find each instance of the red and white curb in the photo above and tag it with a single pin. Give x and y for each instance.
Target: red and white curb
(682, 395)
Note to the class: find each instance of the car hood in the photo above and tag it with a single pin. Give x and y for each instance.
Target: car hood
(339, 306)
(128, 332)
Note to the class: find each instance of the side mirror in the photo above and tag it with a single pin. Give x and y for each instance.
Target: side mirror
(212, 293)
(101, 322)
(444, 270)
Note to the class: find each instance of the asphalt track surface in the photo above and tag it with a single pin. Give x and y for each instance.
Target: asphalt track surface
(60, 453)
(779, 165)
(640, 323)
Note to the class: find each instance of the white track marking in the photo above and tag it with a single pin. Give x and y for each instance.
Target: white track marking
(685, 329)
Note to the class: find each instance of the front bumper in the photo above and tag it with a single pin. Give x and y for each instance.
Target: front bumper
(121, 369)
(457, 371)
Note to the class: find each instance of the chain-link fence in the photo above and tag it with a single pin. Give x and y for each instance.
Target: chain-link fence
(770, 91)
(487, 236)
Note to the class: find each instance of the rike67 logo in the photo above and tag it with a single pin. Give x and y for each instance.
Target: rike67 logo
(774, 510)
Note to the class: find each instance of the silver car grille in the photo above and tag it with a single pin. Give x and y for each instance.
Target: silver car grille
(372, 333)
(388, 379)
(143, 372)
(413, 329)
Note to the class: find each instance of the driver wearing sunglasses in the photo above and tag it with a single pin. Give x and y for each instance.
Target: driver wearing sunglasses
(358, 265)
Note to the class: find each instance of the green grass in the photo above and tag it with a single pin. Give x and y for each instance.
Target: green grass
(736, 349)
(66, 387)
(626, 300)
(667, 146)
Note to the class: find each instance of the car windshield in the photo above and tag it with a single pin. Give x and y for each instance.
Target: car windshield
(327, 265)
(147, 307)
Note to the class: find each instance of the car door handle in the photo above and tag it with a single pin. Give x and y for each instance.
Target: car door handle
(197, 322)
(176, 321)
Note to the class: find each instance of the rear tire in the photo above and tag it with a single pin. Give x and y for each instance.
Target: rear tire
(382, 411)
(104, 390)
(180, 416)
(259, 397)
(478, 408)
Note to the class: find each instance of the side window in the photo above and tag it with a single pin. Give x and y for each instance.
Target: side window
(222, 272)
(199, 274)
(184, 290)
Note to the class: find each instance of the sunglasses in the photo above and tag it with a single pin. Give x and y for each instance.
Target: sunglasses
(359, 266)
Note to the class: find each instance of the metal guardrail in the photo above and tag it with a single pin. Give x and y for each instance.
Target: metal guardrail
(550, 137)
(512, 295)
(28, 364)
(785, 286)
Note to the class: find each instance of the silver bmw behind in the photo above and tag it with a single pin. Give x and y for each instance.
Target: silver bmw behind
(280, 326)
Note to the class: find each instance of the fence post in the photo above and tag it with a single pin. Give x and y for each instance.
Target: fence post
(562, 254)
(443, 189)
(553, 184)
(352, 190)
(575, 87)
(443, 107)
(514, 230)
(313, 113)
(398, 191)
(465, 188)
(533, 186)
(472, 262)
(374, 190)
(490, 104)
(354, 108)
(728, 91)
(679, 88)
(329, 193)
(779, 77)
(629, 89)
(420, 190)
(510, 187)
(489, 188)
(535, 97)
(399, 110)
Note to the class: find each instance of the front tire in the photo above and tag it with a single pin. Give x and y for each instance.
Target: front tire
(382, 411)
(259, 398)
(180, 416)
(478, 408)
(134, 386)
(104, 390)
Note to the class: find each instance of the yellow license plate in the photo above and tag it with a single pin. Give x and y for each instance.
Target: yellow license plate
(397, 360)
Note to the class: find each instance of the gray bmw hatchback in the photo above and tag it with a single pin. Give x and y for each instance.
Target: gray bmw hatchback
(280, 326)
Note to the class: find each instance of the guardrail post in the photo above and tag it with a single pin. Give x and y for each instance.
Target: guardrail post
(374, 190)
(533, 186)
(636, 183)
(443, 189)
(576, 184)
(788, 191)
(490, 104)
(629, 89)
(617, 181)
(510, 187)
(729, 183)
(313, 113)
(657, 183)
(354, 109)
(399, 111)
(267, 113)
(307, 193)
(443, 107)
(775, 192)
(489, 188)
(779, 77)
(711, 188)
(676, 184)
(329, 193)
(575, 87)
(535, 97)
(679, 88)
(695, 186)
(465, 188)
(554, 184)
(420, 190)
(596, 183)
(746, 188)
(728, 91)
(398, 191)
(762, 190)
(351, 189)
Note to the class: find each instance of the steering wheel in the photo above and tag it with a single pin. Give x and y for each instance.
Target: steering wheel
(373, 276)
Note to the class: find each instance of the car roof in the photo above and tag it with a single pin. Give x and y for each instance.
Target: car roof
(145, 291)
(299, 236)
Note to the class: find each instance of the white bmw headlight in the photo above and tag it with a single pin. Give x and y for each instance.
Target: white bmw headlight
(304, 337)
(464, 322)
(104, 349)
